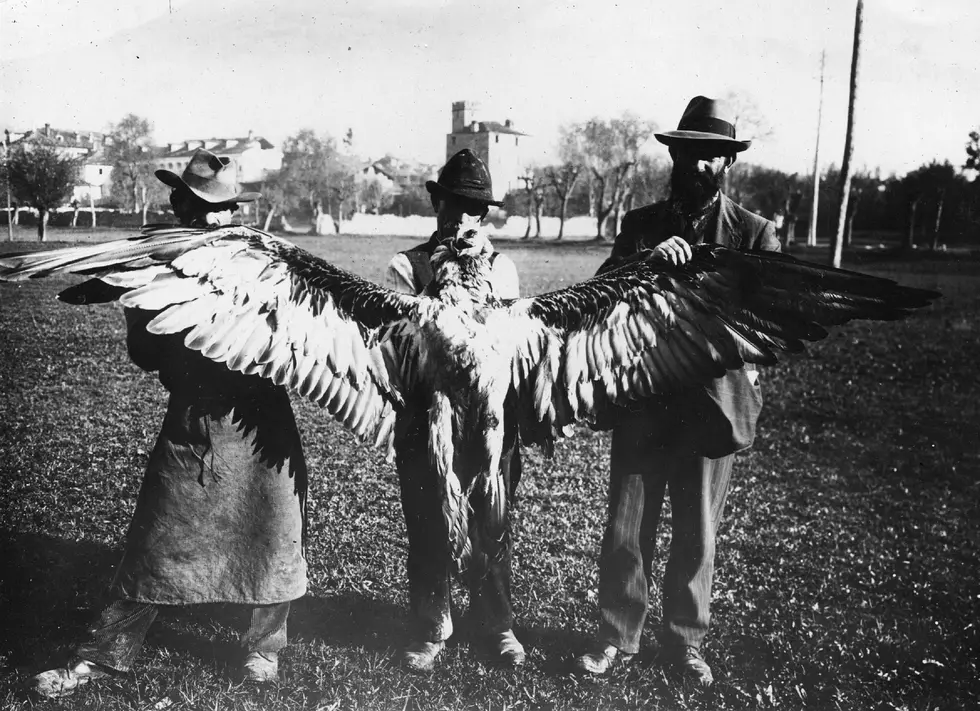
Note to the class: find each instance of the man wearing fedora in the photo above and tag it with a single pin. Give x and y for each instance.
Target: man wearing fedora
(461, 198)
(683, 442)
(220, 516)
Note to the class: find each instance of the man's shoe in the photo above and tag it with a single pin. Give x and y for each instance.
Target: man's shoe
(509, 650)
(56, 683)
(600, 661)
(421, 656)
(260, 668)
(687, 660)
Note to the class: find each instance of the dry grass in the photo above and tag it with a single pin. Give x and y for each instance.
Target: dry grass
(847, 568)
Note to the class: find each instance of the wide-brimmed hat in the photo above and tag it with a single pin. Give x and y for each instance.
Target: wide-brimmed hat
(706, 119)
(210, 177)
(466, 176)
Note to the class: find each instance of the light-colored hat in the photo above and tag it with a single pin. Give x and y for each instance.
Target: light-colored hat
(210, 178)
(705, 119)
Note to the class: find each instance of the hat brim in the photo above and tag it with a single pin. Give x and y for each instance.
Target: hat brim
(173, 180)
(435, 188)
(672, 137)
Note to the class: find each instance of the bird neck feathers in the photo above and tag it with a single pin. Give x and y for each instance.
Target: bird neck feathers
(461, 270)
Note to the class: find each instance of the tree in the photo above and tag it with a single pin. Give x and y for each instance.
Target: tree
(563, 177)
(533, 180)
(562, 180)
(760, 189)
(649, 182)
(864, 192)
(750, 123)
(928, 186)
(610, 150)
(315, 179)
(844, 188)
(130, 154)
(43, 176)
(973, 152)
(373, 195)
(412, 200)
(273, 198)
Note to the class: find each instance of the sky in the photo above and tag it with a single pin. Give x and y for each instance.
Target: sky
(390, 70)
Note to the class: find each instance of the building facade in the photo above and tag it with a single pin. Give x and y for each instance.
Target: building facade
(499, 145)
(89, 146)
(254, 157)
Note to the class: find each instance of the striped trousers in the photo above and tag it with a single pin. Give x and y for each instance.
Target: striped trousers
(640, 473)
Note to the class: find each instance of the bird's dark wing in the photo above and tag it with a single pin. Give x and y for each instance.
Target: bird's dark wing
(649, 327)
(258, 304)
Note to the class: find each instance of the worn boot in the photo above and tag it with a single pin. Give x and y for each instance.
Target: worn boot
(56, 683)
(509, 650)
(260, 668)
(687, 661)
(421, 656)
(599, 661)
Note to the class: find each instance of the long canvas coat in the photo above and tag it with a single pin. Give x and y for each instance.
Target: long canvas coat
(220, 514)
(717, 419)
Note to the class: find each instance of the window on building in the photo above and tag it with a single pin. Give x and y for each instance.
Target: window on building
(453, 140)
(515, 140)
(496, 139)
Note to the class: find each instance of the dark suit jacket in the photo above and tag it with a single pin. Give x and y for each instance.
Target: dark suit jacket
(717, 419)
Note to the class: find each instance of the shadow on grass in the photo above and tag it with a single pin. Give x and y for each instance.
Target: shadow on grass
(49, 588)
(350, 620)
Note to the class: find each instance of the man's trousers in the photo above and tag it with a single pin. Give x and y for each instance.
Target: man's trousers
(640, 471)
(429, 561)
(115, 640)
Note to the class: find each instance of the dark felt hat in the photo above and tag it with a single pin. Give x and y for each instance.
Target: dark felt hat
(466, 176)
(705, 119)
(210, 178)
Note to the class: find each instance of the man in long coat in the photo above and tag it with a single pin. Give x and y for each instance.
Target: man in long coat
(684, 442)
(221, 510)
(461, 196)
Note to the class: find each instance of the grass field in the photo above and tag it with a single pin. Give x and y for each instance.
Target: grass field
(847, 567)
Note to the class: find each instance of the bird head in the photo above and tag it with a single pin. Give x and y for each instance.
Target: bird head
(468, 240)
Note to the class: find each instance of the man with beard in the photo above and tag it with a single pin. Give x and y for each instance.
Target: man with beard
(461, 198)
(683, 441)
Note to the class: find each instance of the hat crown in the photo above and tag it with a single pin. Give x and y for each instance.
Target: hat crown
(211, 174)
(465, 175)
(466, 171)
(212, 178)
(708, 116)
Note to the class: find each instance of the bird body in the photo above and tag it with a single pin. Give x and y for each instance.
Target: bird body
(262, 306)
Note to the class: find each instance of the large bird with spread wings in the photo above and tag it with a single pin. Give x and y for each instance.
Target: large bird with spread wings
(261, 305)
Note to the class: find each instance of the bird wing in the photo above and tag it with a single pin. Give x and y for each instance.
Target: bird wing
(649, 327)
(261, 306)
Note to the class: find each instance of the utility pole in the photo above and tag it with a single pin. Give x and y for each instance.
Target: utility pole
(6, 182)
(811, 238)
(837, 247)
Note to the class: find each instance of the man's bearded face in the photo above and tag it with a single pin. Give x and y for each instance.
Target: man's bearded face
(697, 174)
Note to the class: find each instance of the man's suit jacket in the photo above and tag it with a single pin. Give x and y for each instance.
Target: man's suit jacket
(717, 419)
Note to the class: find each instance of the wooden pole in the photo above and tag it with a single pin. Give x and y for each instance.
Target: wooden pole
(811, 238)
(6, 180)
(837, 247)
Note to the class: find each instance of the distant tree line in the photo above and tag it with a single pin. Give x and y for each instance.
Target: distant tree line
(603, 170)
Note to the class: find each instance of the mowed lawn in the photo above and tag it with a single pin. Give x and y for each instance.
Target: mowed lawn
(847, 572)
